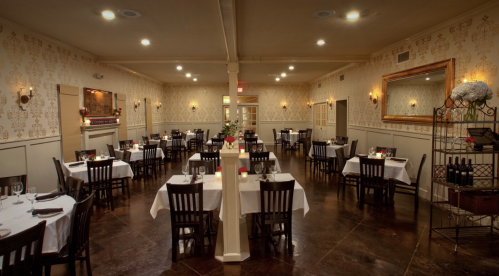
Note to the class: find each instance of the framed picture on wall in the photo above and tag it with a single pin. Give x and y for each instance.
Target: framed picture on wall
(99, 103)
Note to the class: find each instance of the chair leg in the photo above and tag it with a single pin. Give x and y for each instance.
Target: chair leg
(109, 195)
(263, 228)
(174, 244)
(72, 267)
(416, 198)
(201, 242)
(87, 260)
(289, 238)
(128, 187)
(48, 268)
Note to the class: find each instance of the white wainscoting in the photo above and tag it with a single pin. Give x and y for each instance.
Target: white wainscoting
(135, 133)
(32, 157)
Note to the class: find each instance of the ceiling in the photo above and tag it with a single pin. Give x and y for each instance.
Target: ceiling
(264, 36)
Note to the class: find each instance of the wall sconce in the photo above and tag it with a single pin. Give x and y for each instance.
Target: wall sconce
(309, 105)
(136, 104)
(284, 107)
(329, 103)
(158, 105)
(24, 99)
(373, 100)
(413, 104)
(193, 107)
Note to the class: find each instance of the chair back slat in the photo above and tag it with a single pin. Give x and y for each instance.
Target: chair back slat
(259, 156)
(80, 225)
(319, 149)
(126, 156)
(353, 148)
(186, 204)
(276, 199)
(215, 156)
(99, 174)
(372, 172)
(177, 143)
(110, 149)
(7, 182)
(340, 157)
(285, 135)
(60, 175)
(149, 155)
(74, 187)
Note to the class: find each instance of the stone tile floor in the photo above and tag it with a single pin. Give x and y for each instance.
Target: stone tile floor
(334, 238)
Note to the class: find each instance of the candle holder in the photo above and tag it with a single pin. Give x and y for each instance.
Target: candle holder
(218, 175)
(244, 176)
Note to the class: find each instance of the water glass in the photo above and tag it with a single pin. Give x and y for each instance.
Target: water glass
(17, 188)
(259, 149)
(372, 152)
(106, 154)
(30, 195)
(388, 154)
(102, 154)
(202, 171)
(273, 169)
(258, 170)
(185, 171)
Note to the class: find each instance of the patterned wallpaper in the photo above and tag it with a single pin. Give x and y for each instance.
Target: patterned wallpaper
(426, 96)
(29, 61)
(473, 42)
(208, 100)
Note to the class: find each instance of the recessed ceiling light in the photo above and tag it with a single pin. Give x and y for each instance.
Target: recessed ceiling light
(188, 75)
(323, 14)
(321, 42)
(283, 75)
(353, 15)
(130, 13)
(195, 79)
(427, 78)
(108, 14)
(145, 42)
(291, 67)
(277, 79)
(179, 67)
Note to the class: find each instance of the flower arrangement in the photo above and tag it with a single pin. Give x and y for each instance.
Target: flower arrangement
(241, 147)
(231, 127)
(219, 169)
(117, 112)
(243, 169)
(83, 113)
(91, 157)
(469, 143)
(230, 139)
(475, 93)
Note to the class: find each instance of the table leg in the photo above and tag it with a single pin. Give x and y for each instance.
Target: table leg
(391, 192)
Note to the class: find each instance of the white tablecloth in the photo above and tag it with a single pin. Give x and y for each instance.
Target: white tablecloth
(120, 170)
(331, 150)
(393, 169)
(168, 142)
(293, 137)
(243, 160)
(15, 218)
(212, 194)
(138, 154)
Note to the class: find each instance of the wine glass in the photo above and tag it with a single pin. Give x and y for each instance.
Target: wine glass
(215, 148)
(140, 143)
(85, 157)
(106, 154)
(30, 195)
(258, 170)
(273, 169)
(259, 149)
(127, 145)
(185, 171)
(253, 149)
(202, 171)
(388, 153)
(102, 154)
(372, 152)
(17, 188)
(205, 148)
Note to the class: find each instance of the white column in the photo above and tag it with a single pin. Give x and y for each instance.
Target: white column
(233, 247)
(233, 69)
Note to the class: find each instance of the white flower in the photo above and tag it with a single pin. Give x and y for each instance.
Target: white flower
(472, 91)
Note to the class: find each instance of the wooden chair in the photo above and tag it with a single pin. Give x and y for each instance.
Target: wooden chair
(285, 142)
(221, 135)
(80, 153)
(175, 131)
(394, 150)
(248, 135)
(126, 158)
(110, 149)
(345, 180)
(259, 156)
(276, 201)
(207, 135)
(145, 139)
(6, 184)
(199, 141)
(186, 211)
(208, 164)
(215, 156)
(265, 164)
(353, 148)
(341, 140)
(217, 142)
(249, 143)
(276, 141)
(100, 175)
(123, 143)
(176, 148)
(25, 262)
(74, 188)
(155, 136)
(321, 161)
(78, 240)
(414, 188)
(306, 150)
(161, 161)
(148, 161)
(60, 175)
(302, 135)
(372, 173)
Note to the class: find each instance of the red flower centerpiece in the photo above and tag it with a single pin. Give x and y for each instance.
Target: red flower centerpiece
(91, 157)
(83, 113)
(242, 169)
(230, 142)
(219, 169)
(469, 143)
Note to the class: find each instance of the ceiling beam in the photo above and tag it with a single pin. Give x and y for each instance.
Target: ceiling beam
(122, 60)
(318, 59)
(227, 14)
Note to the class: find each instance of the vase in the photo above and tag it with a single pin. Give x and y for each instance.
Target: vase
(469, 147)
(471, 114)
(230, 145)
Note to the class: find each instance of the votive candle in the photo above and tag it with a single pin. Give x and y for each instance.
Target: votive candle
(242, 151)
(378, 155)
(244, 176)
(218, 175)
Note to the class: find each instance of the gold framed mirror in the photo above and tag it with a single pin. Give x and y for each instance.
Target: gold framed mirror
(409, 96)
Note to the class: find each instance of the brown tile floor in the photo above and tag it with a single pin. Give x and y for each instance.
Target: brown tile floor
(334, 238)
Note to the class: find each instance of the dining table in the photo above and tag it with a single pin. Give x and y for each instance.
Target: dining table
(120, 170)
(293, 137)
(244, 160)
(17, 219)
(331, 150)
(395, 169)
(212, 194)
(137, 154)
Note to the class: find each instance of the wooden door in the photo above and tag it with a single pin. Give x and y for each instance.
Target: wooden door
(320, 120)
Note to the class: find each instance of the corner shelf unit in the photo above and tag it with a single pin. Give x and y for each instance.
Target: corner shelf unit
(449, 131)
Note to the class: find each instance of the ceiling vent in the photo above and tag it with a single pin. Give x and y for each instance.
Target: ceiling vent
(319, 85)
(342, 77)
(403, 57)
(130, 13)
(324, 14)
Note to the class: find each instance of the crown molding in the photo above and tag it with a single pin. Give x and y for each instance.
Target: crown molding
(483, 8)
(48, 38)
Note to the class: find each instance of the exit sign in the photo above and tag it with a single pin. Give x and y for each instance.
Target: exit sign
(239, 90)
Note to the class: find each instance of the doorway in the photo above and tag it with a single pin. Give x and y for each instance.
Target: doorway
(247, 116)
(320, 115)
(341, 118)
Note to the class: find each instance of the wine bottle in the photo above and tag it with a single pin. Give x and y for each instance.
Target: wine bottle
(450, 171)
(464, 172)
(470, 174)
(457, 173)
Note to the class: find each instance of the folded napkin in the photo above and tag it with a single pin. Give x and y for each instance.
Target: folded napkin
(398, 159)
(50, 195)
(76, 164)
(46, 211)
(194, 178)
